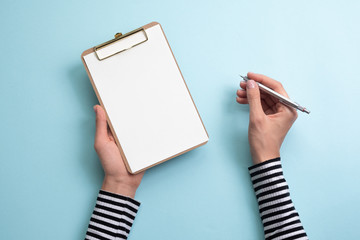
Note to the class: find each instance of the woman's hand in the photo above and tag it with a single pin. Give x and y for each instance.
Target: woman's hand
(117, 178)
(269, 119)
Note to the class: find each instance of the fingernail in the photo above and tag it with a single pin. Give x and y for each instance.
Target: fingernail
(94, 108)
(241, 82)
(250, 84)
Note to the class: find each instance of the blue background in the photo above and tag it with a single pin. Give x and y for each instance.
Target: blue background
(50, 173)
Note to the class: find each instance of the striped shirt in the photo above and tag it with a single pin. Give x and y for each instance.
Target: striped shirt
(114, 214)
(277, 211)
(112, 218)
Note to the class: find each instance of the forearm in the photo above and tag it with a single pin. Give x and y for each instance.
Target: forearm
(112, 217)
(277, 211)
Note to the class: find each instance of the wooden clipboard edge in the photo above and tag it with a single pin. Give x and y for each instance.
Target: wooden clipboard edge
(91, 50)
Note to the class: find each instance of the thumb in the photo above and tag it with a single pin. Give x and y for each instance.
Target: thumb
(253, 97)
(101, 124)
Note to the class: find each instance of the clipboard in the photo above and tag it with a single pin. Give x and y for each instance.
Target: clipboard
(148, 106)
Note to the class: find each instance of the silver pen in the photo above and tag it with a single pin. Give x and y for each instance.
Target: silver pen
(282, 99)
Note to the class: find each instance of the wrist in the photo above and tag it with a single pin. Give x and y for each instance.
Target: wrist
(263, 157)
(118, 187)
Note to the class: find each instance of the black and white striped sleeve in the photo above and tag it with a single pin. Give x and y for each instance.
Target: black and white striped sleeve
(277, 211)
(112, 218)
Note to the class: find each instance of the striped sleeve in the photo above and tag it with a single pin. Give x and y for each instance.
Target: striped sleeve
(277, 211)
(112, 218)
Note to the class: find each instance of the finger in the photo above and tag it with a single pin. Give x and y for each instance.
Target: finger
(280, 107)
(253, 97)
(268, 108)
(110, 135)
(243, 85)
(101, 124)
(267, 98)
(241, 93)
(267, 104)
(242, 100)
(264, 105)
(269, 82)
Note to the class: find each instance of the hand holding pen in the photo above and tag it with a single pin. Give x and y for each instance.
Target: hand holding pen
(281, 98)
(269, 121)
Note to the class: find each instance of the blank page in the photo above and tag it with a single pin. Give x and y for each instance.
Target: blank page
(147, 102)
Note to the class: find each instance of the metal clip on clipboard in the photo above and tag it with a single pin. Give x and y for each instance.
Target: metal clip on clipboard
(115, 46)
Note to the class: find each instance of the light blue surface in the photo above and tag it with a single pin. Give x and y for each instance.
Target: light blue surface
(50, 173)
